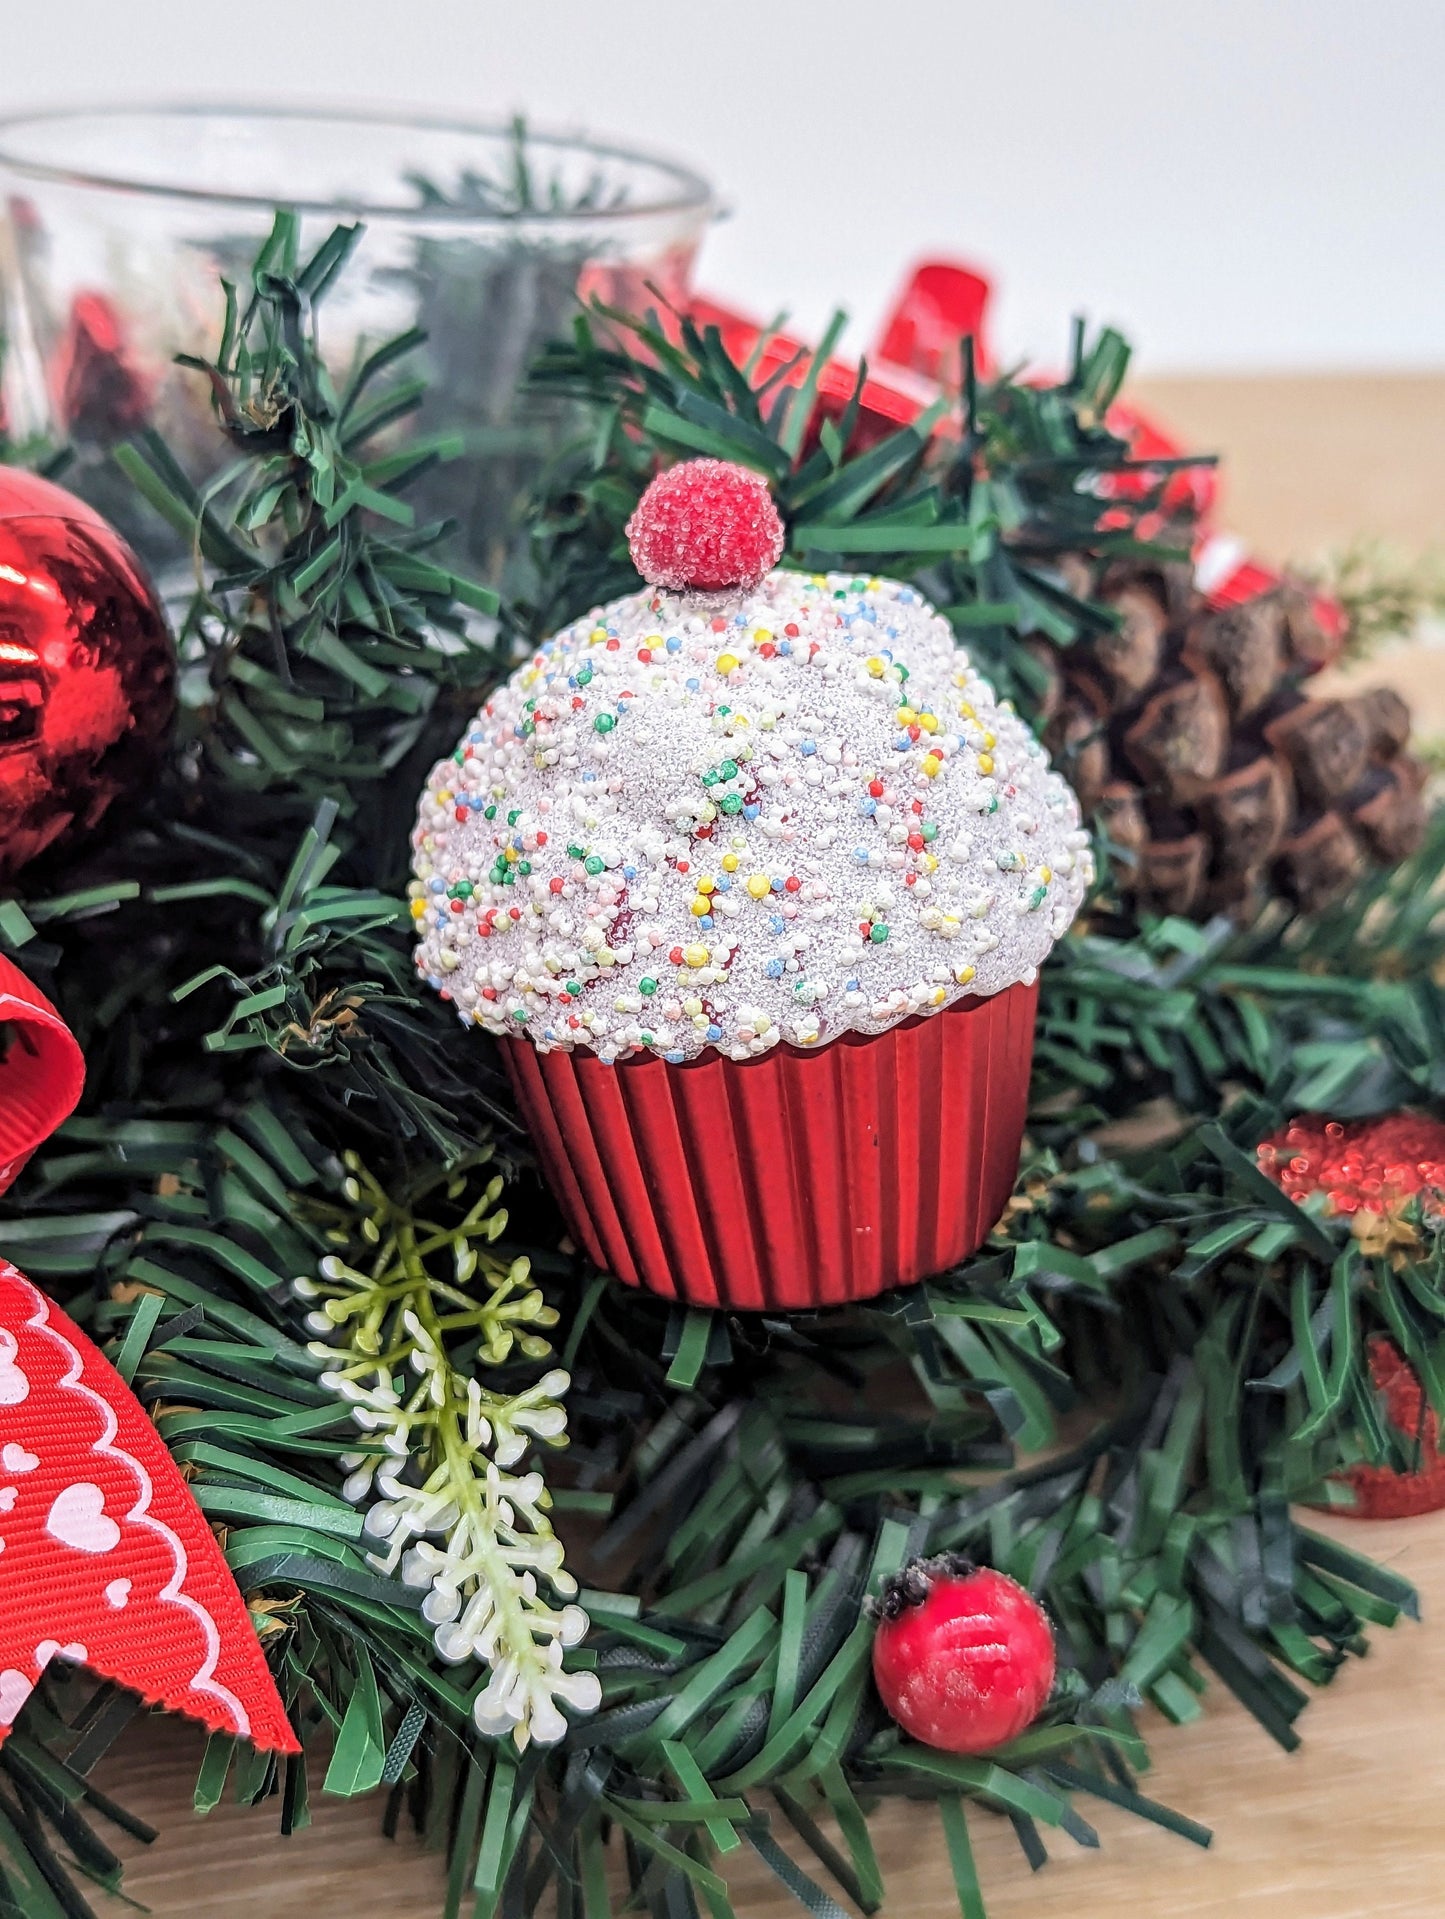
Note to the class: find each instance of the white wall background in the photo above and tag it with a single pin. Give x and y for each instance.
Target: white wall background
(1241, 183)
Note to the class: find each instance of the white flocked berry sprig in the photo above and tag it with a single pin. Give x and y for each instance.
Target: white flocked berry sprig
(444, 1500)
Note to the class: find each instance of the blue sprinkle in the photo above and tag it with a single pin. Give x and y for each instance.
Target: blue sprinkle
(675, 1057)
(774, 969)
(777, 922)
(725, 883)
(777, 886)
(705, 922)
(807, 748)
(629, 872)
(693, 685)
(714, 1032)
(740, 619)
(751, 812)
(850, 986)
(868, 806)
(785, 647)
(588, 778)
(902, 743)
(860, 853)
(674, 645)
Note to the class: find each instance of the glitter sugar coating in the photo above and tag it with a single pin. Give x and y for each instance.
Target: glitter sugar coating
(692, 822)
(1361, 1166)
(705, 526)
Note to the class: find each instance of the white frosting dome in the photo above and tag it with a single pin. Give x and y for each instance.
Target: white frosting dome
(725, 821)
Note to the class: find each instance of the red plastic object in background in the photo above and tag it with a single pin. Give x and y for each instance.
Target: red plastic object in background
(41, 1070)
(940, 303)
(797, 1180)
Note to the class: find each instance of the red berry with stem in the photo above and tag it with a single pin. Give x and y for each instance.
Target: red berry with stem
(963, 1656)
(706, 526)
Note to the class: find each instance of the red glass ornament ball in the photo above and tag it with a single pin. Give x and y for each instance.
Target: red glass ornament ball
(963, 1657)
(87, 668)
(706, 526)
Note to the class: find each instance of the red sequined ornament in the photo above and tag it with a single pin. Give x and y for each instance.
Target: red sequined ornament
(1372, 1169)
(706, 525)
(87, 668)
(963, 1657)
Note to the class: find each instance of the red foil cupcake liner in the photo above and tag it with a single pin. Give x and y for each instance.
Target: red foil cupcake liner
(41, 1070)
(795, 1180)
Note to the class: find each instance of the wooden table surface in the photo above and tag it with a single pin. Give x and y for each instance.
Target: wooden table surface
(1354, 1823)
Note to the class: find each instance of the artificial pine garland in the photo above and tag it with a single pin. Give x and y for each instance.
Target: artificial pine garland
(234, 958)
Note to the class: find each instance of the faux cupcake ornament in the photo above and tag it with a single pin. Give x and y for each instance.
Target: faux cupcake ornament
(753, 877)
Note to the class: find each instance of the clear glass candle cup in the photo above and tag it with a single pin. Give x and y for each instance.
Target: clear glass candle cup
(119, 223)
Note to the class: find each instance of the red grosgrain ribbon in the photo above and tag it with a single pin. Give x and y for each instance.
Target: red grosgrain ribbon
(41, 1070)
(106, 1559)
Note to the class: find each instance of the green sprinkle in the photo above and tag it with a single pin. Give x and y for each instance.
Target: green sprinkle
(576, 852)
(604, 722)
(729, 769)
(711, 777)
(878, 933)
(489, 812)
(574, 987)
(594, 865)
(524, 867)
(732, 802)
(647, 987)
(514, 816)
(929, 830)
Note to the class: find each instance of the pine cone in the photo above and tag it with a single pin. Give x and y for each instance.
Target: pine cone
(1190, 734)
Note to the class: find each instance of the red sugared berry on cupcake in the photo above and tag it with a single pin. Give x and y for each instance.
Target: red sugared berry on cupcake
(706, 526)
(963, 1656)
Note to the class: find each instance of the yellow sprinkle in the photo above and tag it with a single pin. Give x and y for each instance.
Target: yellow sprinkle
(727, 662)
(759, 885)
(876, 667)
(445, 797)
(730, 862)
(761, 634)
(418, 909)
(928, 722)
(906, 716)
(931, 766)
(513, 854)
(985, 763)
(990, 742)
(693, 1006)
(938, 996)
(963, 975)
(966, 710)
(700, 906)
(1046, 873)
(695, 955)
(706, 885)
(606, 956)
(930, 862)
(597, 633)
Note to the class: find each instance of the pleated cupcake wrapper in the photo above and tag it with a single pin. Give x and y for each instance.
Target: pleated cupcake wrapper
(795, 1180)
(41, 1070)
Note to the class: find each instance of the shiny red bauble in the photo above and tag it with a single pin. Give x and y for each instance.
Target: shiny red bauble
(87, 668)
(706, 526)
(963, 1656)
